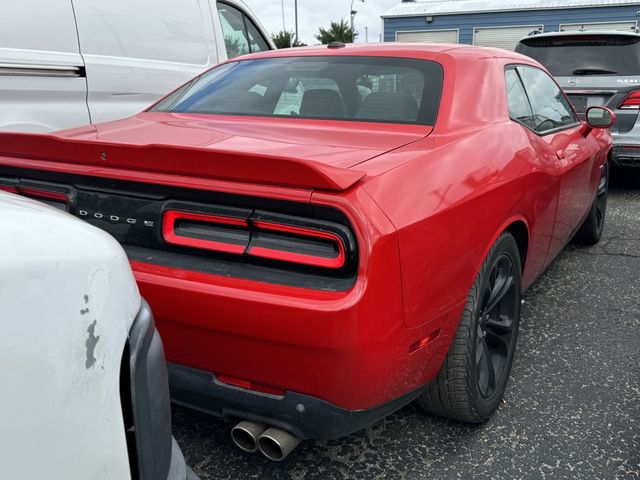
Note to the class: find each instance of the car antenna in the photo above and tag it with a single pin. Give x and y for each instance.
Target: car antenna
(336, 45)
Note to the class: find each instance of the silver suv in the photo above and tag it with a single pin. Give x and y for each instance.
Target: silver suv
(597, 68)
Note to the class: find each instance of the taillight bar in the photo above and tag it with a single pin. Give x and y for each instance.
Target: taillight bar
(38, 193)
(631, 102)
(304, 259)
(171, 233)
(45, 194)
(263, 235)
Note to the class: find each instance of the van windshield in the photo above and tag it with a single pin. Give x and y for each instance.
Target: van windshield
(585, 54)
(366, 89)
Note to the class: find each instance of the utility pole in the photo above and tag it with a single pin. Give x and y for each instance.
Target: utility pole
(284, 28)
(296, 13)
(366, 34)
(352, 16)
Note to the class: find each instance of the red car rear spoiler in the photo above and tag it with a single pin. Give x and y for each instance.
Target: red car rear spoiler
(187, 161)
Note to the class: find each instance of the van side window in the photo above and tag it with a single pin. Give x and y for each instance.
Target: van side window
(240, 35)
(256, 40)
(551, 109)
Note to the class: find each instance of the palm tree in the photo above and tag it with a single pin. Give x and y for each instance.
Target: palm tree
(337, 32)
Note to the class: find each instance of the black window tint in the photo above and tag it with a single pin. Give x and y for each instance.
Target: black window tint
(593, 54)
(519, 107)
(378, 89)
(256, 40)
(551, 109)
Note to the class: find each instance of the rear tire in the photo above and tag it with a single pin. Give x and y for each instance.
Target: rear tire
(591, 230)
(474, 375)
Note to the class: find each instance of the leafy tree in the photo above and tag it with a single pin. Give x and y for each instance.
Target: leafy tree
(283, 39)
(337, 32)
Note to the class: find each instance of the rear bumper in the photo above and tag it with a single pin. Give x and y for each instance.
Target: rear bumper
(349, 351)
(302, 415)
(626, 147)
(626, 156)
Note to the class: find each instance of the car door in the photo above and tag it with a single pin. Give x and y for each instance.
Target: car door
(541, 225)
(563, 136)
(42, 75)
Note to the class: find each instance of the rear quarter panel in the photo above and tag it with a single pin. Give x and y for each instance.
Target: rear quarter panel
(451, 202)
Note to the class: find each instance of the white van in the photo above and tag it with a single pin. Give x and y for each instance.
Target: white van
(66, 63)
(84, 391)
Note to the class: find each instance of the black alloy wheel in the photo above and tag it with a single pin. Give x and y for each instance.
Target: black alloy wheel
(601, 198)
(474, 375)
(591, 229)
(494, 332)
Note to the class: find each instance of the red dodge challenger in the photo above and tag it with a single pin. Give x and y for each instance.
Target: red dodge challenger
(328, 233)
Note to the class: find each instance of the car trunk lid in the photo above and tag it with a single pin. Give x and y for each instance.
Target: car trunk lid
(302, 153)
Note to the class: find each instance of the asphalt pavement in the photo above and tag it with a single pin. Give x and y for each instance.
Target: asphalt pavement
(571, 409)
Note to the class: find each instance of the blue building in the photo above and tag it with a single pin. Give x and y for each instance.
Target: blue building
(502, 23)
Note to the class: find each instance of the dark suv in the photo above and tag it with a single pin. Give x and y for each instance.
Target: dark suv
(597, 68)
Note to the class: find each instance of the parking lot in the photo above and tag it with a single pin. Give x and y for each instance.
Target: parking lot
(571, 410)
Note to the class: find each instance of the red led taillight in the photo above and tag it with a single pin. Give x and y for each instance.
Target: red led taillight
(336, 261)
(172, 233)
(307, 242)
(632, 102)
(44, 194)
(58, 199)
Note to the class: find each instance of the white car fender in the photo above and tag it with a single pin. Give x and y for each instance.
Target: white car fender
(68, 299)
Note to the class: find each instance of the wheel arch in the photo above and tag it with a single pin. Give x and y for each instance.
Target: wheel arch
(520, 232)
(518, 227)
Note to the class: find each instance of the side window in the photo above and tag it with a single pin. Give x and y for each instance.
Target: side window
(519, 107)
(256, 40)
(240, 35)
(551, 109)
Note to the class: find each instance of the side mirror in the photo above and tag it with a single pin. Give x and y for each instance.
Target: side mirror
(600, 117)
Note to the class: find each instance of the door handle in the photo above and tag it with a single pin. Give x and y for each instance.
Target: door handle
(561, 154)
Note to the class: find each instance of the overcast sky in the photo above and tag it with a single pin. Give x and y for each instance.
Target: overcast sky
(313, 14)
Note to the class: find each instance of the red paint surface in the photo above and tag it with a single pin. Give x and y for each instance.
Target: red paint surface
(426, 205)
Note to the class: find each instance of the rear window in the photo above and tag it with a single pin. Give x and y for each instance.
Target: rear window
(368, 89)
(585, 54)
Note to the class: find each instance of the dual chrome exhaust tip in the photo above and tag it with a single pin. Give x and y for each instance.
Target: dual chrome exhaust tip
(273, 443)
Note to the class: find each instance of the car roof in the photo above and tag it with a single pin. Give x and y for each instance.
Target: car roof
(425, 51)
(575, 33)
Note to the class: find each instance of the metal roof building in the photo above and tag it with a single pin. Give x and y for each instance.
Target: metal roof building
(502, 23)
